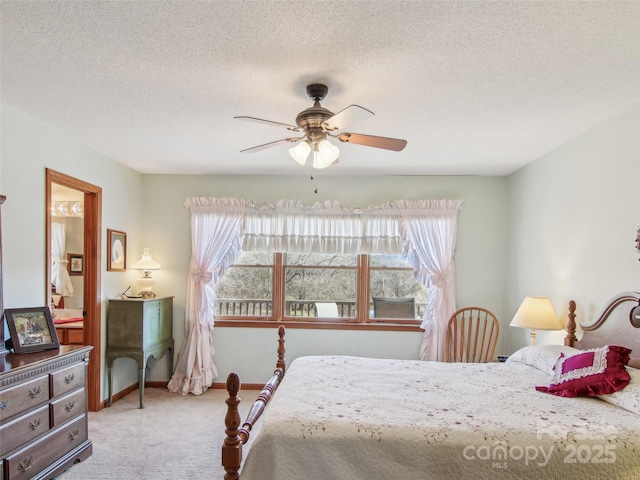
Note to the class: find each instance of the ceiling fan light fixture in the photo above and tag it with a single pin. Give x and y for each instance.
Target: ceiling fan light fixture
(300, 152)
(316, 123)
(325, 154)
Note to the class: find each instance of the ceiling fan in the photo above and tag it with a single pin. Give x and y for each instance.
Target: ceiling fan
(318, 124)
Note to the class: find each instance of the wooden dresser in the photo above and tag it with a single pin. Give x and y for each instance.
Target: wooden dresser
(139, 328)
(43, 412)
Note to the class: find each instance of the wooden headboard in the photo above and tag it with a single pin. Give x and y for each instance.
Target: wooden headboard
(613, 326)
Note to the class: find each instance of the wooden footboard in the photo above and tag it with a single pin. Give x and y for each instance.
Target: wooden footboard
(237, 437)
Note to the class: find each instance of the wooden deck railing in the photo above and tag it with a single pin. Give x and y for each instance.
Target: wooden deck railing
(292, 308)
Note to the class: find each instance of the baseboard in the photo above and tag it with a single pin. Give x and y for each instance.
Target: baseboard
(132, 388)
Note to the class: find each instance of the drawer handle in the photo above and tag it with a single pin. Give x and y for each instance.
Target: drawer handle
(26, 464)
(69, 406)
(35, 424)
(69, 378)
(73, 434)
(4, 404)
(34, 392)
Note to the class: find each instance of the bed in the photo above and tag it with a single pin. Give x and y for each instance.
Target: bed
(338, 417)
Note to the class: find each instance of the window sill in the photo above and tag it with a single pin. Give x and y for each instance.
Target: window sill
(317, 325)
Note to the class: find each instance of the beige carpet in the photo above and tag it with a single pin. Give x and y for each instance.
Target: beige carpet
(173, 437)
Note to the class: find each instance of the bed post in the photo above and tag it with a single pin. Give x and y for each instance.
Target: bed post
(236, 437)
(232, 446)
(281, 359)
(570, 339)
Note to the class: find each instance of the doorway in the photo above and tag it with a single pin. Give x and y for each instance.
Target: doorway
(91, 245)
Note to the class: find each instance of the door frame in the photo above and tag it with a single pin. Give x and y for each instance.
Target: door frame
(92, 330)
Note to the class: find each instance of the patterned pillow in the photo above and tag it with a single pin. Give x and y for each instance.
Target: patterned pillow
(629, 397)
(590, 373)
(542, 357)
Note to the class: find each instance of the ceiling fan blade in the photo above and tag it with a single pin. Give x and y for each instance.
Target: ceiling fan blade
(394, 144)
(264, 146)
(346, 117)
(293, 128)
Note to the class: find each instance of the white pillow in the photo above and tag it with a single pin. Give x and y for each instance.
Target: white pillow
(542, 357)
(629, 397)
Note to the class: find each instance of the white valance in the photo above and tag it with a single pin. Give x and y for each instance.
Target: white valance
(325, 227)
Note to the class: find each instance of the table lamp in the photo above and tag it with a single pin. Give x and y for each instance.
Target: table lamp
(146, 282)
(536, 313)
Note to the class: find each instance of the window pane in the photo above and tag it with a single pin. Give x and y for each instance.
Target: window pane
(390, 260)
(319, 285)
(254, 258)
(246, 288)
(321, 260)
(392, 278)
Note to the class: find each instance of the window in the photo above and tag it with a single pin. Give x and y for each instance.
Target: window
(247, 288)
(320, 285)
(321, 288)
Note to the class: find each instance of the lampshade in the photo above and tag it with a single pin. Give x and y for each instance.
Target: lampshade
(146, 282)
(146, 262)
(300, 152)
(325, 154)
(536, 313)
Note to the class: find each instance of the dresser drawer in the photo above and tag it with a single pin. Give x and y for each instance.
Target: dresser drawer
(24, 428)
(67, 407)
(23, 397)
(28, 462)
(66, 380)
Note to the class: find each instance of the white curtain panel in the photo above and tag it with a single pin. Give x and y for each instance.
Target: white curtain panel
(216, 232)
(425, 230)
(430, 238)
(59, 274)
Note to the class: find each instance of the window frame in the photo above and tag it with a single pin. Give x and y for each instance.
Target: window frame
(362, 319)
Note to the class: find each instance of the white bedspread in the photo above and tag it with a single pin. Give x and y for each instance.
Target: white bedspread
(356, 418)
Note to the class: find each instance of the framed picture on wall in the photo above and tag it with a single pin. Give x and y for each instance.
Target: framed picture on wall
(116, 251)
(75, 263)
(31, 329)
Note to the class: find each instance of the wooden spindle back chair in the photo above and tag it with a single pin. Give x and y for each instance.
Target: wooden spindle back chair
(472, 335)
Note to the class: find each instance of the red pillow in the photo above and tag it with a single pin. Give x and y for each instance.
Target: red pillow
(590, 373)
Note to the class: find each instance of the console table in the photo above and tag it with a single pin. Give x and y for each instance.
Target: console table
(43, 412)
(139, 328)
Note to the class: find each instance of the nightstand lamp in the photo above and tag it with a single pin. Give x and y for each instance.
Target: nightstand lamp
(536, 313)
(146, 282)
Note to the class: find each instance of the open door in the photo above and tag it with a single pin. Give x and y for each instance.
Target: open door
(92, 240)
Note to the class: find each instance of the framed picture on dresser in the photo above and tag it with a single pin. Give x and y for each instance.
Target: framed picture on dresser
(31, 329)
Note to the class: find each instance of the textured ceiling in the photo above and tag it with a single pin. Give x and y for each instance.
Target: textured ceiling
(474, 87)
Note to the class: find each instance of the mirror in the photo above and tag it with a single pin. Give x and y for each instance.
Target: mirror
(66, 267)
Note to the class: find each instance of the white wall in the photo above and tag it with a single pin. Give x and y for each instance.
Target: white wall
(572, 220)
(479, 259)
(28, 148)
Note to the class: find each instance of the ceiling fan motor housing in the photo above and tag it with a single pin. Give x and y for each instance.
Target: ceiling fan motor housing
(311, 119)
